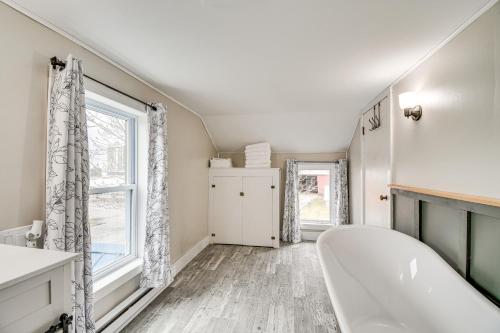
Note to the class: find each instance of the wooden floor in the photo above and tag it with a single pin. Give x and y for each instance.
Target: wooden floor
(230, 288)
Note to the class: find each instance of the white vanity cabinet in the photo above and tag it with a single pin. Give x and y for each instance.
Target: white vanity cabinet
(244, 206)
(35, 288)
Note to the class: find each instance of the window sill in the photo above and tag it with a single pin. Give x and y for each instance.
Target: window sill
(315, 226)
(107, 284)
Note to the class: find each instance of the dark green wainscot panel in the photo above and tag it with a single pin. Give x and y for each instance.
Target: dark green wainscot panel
(465, 234)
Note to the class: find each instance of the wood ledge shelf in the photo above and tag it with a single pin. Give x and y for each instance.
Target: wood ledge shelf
(449, 195)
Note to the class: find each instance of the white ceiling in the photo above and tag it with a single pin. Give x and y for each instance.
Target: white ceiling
(295, 73)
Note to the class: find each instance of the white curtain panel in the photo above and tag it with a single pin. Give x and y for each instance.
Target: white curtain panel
(67, 184)
(156, 271)
(341, 193)
(290, 231)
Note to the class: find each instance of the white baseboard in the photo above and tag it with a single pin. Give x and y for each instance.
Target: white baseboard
(189, 255)
(139, 299)
(126, 311)
(310, 235)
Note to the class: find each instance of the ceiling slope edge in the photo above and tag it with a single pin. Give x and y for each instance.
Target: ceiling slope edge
(454, 34)
(75, 40)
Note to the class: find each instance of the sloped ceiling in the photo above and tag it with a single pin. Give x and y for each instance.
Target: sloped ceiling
(293, 72)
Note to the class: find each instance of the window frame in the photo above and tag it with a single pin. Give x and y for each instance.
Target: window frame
(315, 224)
(130, 188)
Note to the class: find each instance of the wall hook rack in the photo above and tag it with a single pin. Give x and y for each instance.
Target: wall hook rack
(375, 119)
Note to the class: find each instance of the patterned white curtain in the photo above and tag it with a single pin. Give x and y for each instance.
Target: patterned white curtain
(156, 271)
(67, 184)
(341, 193)
(290, 231)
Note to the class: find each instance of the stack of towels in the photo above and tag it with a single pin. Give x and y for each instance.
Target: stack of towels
(258, 155)
(218, 163)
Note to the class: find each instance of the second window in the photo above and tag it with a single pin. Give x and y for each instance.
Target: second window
(315, 193)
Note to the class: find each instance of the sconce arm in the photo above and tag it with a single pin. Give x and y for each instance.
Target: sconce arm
(415, 113)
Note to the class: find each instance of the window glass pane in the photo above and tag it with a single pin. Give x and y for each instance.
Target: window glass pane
(314, 196)
(107, 149)
(108, 215)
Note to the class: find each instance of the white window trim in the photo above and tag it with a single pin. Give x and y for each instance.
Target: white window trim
(312, 224)
(107, 281)
(315, 226)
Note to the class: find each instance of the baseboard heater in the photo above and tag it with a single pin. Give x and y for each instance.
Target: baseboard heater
(108, 322)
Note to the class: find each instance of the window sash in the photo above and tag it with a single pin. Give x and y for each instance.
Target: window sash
(131, 231)
(319, 224)
(131, 223)
(110, 189)
(131, 133)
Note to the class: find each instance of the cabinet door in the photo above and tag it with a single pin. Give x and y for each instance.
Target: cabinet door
(258, 211)
(226, 210)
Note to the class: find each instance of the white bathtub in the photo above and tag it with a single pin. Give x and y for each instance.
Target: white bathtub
(381, 280)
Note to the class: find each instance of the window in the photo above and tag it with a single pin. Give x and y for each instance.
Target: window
(112, 194)
(315, 194)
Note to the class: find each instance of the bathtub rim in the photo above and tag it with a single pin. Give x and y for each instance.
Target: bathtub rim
(337, 307)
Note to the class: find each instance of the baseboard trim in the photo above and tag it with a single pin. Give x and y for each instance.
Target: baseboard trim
(123, 313)
(310, 235)
(189, 255)
(126, 311)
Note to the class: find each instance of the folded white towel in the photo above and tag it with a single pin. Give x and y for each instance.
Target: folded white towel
(258, 152)
(257, 149)
(221, 163)
(257, 155)
(257, 162)
(262, 145)
(249, 162)
(263, 165)
(258, 159)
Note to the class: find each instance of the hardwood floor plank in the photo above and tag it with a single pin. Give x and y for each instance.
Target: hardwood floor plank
(230, 288)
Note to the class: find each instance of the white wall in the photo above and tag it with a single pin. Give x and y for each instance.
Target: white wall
(455, 146)
(26, 47)
(355, 177)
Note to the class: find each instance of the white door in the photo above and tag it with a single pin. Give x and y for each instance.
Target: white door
(226, 210)
(376, 168)
(258, 211)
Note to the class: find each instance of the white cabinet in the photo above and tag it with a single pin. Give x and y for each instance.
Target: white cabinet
(35, 288)
(244, 206)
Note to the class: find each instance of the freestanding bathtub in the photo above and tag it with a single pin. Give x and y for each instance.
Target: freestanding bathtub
(381, 280)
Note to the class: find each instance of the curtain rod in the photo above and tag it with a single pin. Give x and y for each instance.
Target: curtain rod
(54, 61)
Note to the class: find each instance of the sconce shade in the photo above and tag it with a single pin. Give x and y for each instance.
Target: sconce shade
(407, 100)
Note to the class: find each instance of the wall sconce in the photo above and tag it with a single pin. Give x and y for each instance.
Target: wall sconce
(408, 102)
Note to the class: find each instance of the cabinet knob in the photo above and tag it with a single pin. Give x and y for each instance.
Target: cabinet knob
(384, 197)
(242, 194)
